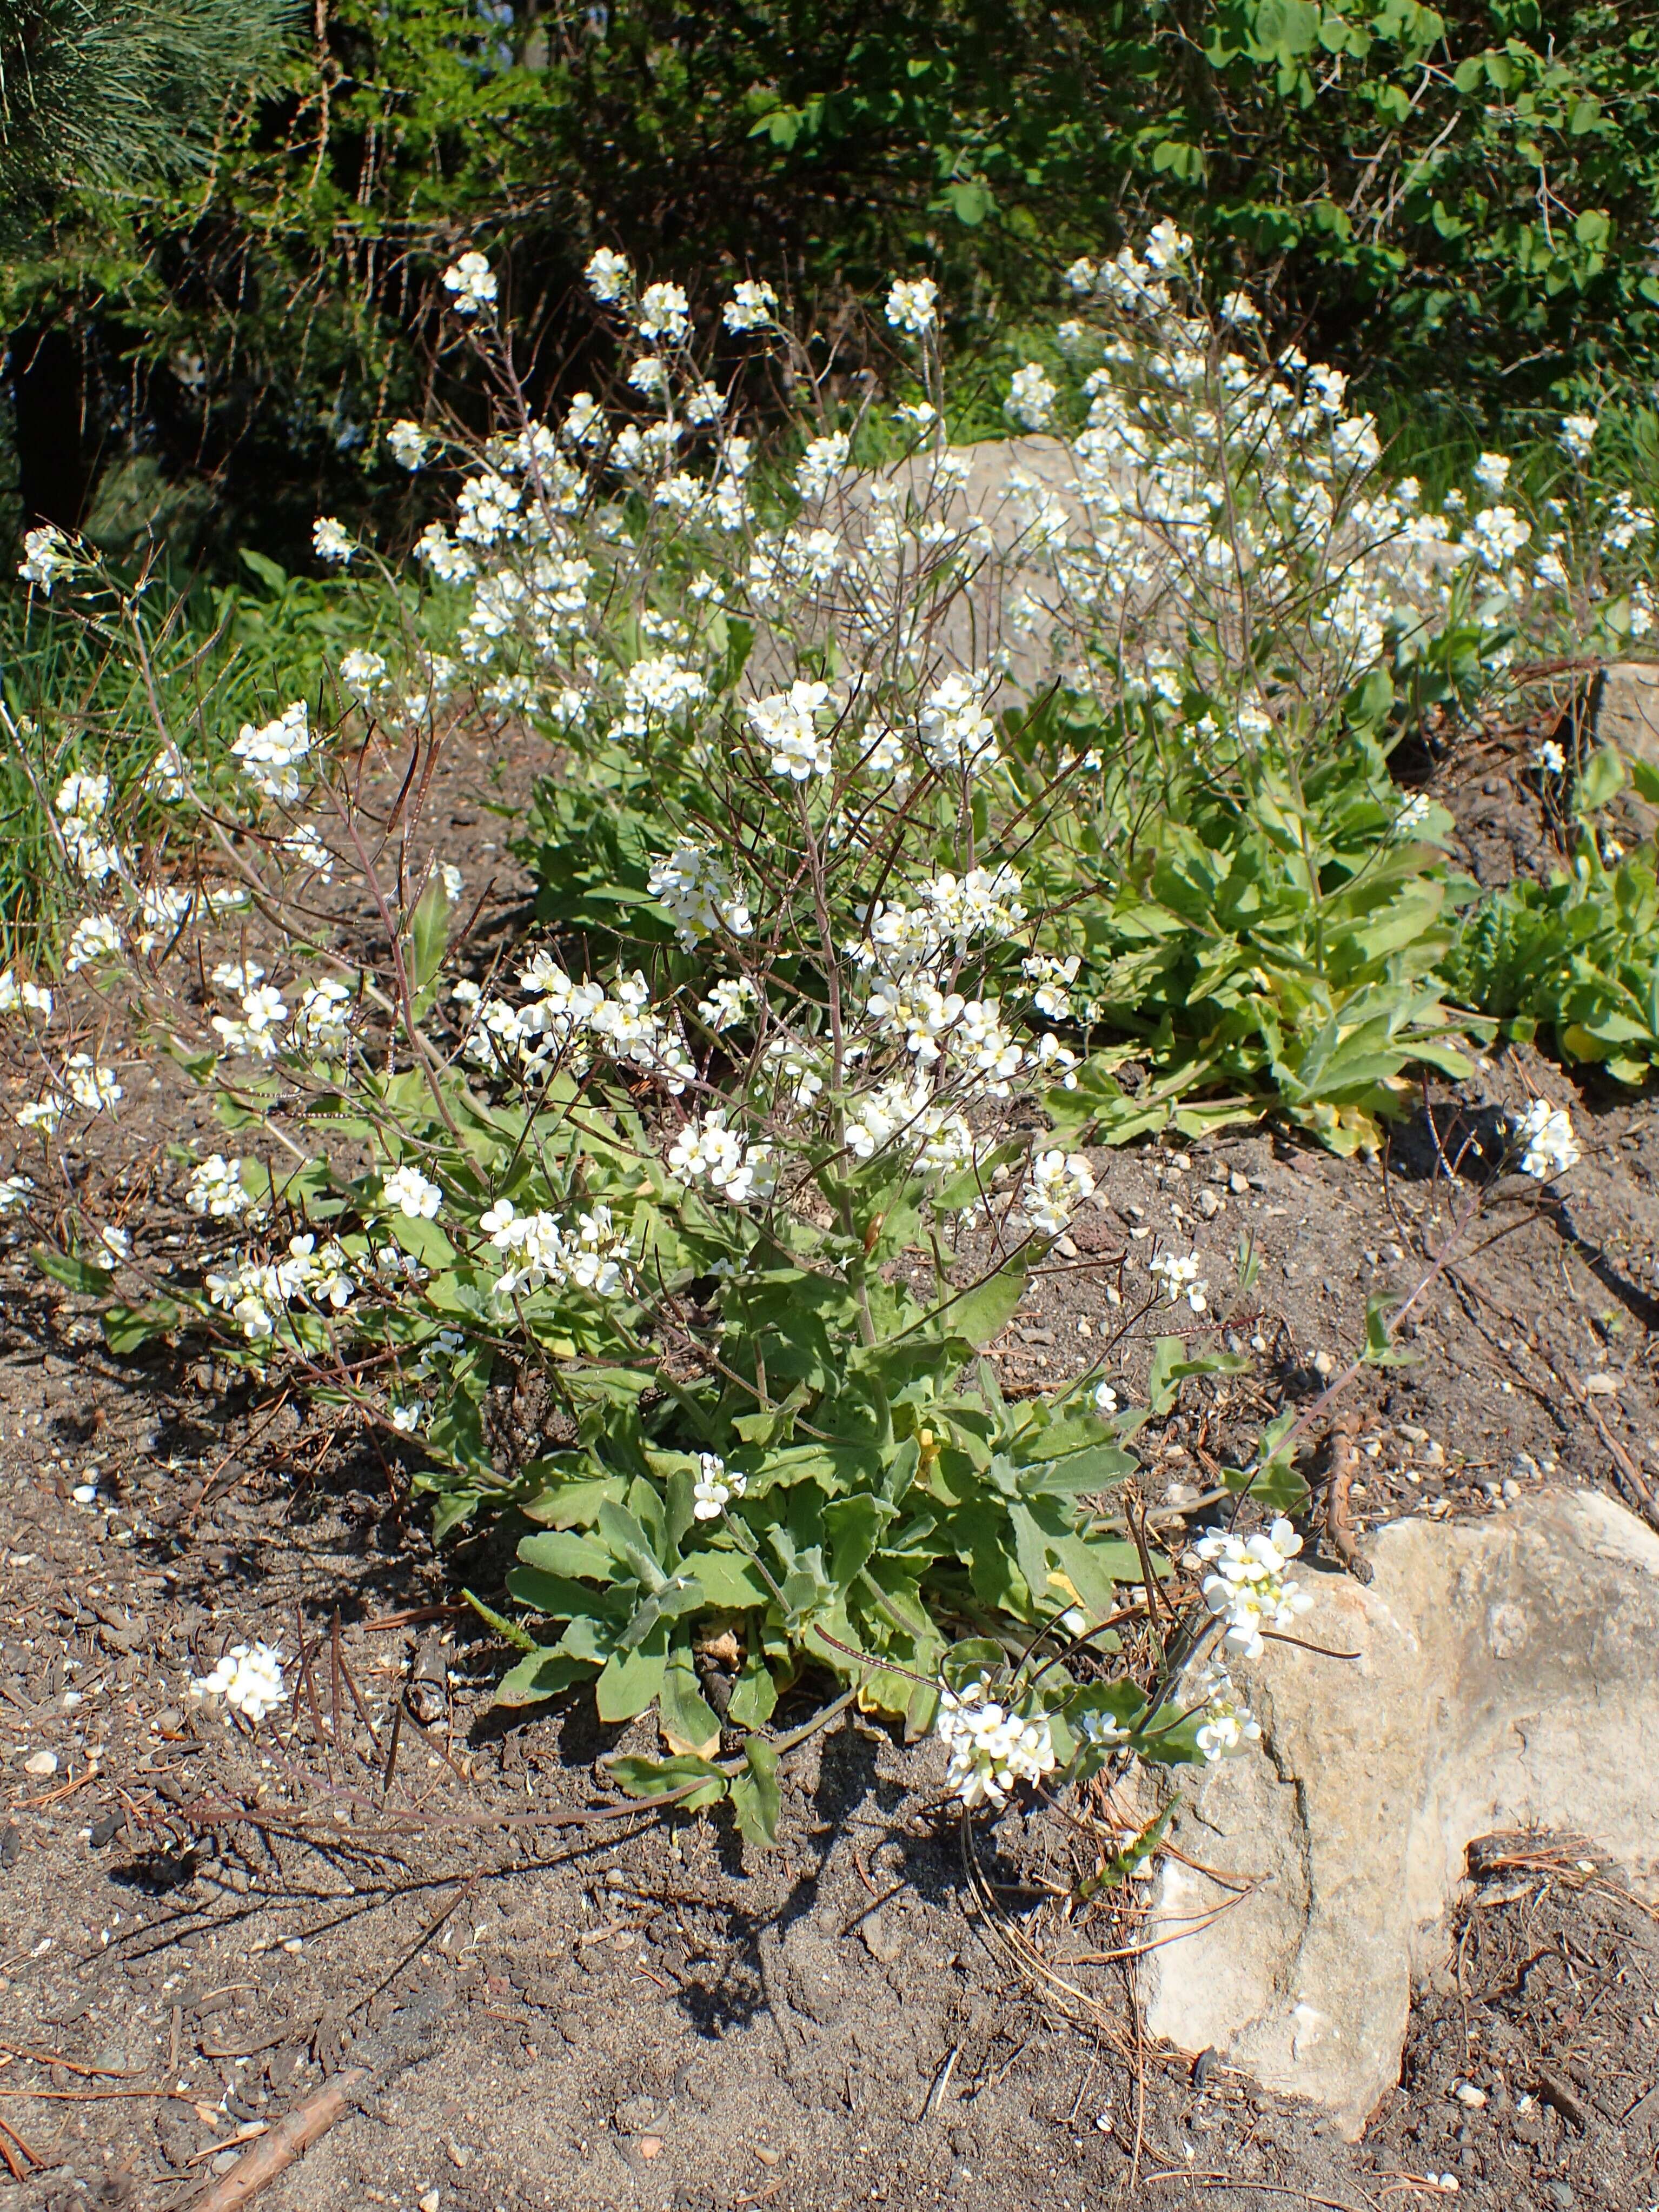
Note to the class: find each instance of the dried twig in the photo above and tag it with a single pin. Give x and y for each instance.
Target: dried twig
(1339, 1522)
(276, 2152)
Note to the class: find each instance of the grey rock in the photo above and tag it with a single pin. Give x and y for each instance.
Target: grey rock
(1627, 708)
(1506, 1677)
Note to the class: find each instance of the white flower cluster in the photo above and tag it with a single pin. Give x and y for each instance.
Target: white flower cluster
(729, 1002)
(408, 1192)
(593, 1257)
(1031, 396)
(1545, 1131)
(1228, 1724)
(256, 1293)
(1181, 1278)
(94, 939)
(249, 1678)
(270, 756)
(1246, 1584)
(942, 1141)
(32, 998)
(216, 1189)
(45, 557)
(951, 913)
(697, 889)
(716, 1486)
(255, 1035)
(82, 802)
(957, 735)
(788, 724)
(331, 541)
(706, 1151)
(568, 1025)
(913, 305)
(991, 1748)
(1059, 1182)
(471, 283)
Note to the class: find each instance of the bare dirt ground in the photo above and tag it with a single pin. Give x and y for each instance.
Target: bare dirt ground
(199, 1927)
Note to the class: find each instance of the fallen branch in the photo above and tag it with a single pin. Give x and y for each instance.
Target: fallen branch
(258, 2168)
(1339, 1521)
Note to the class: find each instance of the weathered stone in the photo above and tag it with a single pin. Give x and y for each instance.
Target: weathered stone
(1627, 708)
(1506, 1677)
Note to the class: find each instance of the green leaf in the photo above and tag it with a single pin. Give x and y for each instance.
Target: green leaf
(429, 935)
(662, 1778)
(632, 1678)
(128, 1327)
(1275, 1485)
(689, 1721)
(984, 1312)
(1380, 1349)
(755, 1695)
(755, 1798)
(540, 1674)
(508, 1631)
(75, 1274)
(1599, 781)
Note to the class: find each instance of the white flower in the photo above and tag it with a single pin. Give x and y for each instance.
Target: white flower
(237, 976)
(1492, 472)
(728, 1003)
(1546, 1132)
(649, 374)
(114, 1249)
(1414, 813)
(362, 672)
(453, 881)
(248, 1679)
(1577, 434)
(1054, 980)
(170, 773)
(1032, 398)
(405, 1419)
(1550, 757)
(654, 689)
(706, 1151)
(15, 1192)
(820, 464)
(1080, 277)
(95, 938)
(664, 313)
(1228, 1724)
(1105, 1398)
(408, 443)
(330, 540)
(271, 755)
(471, 283)
(1181, 1280)
(715, 1487)
(42, 1113)
(1240, 309)
(609, 276)
(92, 1085)
(991, 1748)
(83, 798)
(321, 1025)
(1247, 1587)
(1059, 1183)
(45, 558)
(697, 889)
(751, 306)
(957, 735)
(308, 849)
(408, 1192)
(786, 722)
(36, 999)
(216, 1189)
(912, 305)
(594, 1259)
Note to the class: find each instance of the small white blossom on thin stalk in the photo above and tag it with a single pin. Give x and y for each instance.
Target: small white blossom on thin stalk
(92, 1085)
(1550, 757)
(1546, 1131)
(1059, 1183)
(752, 306)
(271, 755)
(697, 889)
(405, 1419)
(43, 1114)
(16, 1191)
(1031, 396)
(249, 1678)
(664, 313)
(216, 1189)
(957, 735)
(1492, 472)
(729, 1002)
(471, 283)
(716, 1486)
(1228, 1724)
(238, 975)
(912, 305)
(113, 1249)
(706, 1151)
(45, 557)
(1105, 1398)
(1577, 434)
(408, 1192)
(991, 1748)
(35, 998)
(330, 540)
(610, 275)
(307, 848)
(1246, 1586)
(1181, 1280)
(407, 443)
(95, 938)
(787, 724)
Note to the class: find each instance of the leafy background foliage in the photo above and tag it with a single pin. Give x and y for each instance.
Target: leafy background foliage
(1454, 201)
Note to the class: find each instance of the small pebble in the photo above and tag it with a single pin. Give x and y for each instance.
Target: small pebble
(40, 1764)
(1467, 2093)
(431, 2201)
(85, 1493)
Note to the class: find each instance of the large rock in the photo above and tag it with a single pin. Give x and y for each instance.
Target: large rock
(1508, 1675)
(1627, 708)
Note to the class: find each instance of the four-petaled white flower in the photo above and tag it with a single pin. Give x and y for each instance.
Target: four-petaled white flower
(1545, 1132)
(471, 282)
(752, 304)
(330, 540)
(1059, 1181)
(216, 1189)
(912, 305)
(1181, 1278)
(1246, 1585)
(408, 1192)
(249, 1678)
(787, 724)
(407, 442)
(610, 278)
(716, 1486)
(991, 1748)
